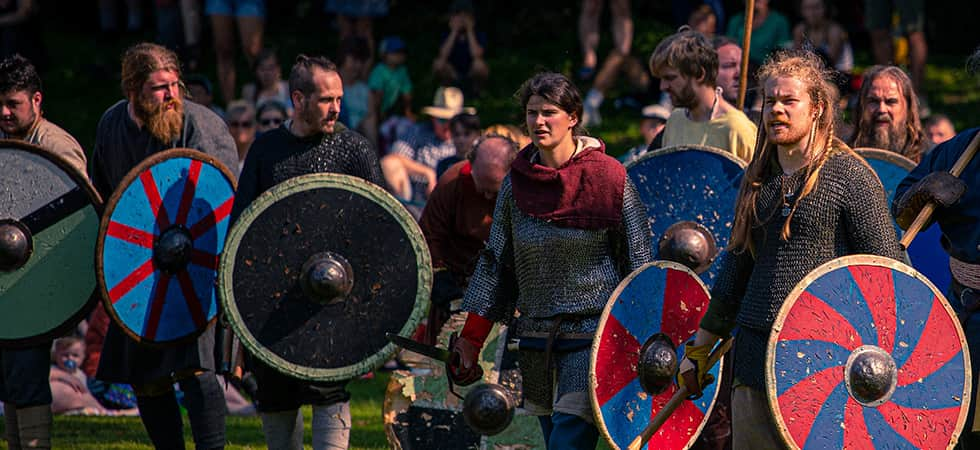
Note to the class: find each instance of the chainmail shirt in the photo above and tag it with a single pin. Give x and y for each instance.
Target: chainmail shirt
(846, 213)
(544, 272)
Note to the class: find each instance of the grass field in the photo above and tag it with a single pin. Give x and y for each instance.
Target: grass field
(127, 433)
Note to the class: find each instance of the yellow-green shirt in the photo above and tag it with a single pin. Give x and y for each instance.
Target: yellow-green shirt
(732, 131)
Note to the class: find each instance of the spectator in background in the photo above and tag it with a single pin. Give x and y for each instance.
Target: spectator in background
(199, 87)
(619, 59)
(654, 119)
(20, 31)
(704, 21)
(110, 395)
(770, 31)
(241, 125)
(250, 17)
(355, 107)
(460, 61)
(888, 113)
(410, 168)
(729, 67)
(938, 129)
(270, 115)
(828, 38)
(69, 384)
(394, 128)
(912, 22)
(355, 19)
(464, 129)
(268, 84)
(389, 81)
(109, 20)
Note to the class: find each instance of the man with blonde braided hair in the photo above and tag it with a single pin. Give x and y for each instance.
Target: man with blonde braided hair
(805, 199)
(888, 113)
(152, 118)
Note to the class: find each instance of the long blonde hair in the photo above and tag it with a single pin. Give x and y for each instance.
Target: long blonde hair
(821, 143)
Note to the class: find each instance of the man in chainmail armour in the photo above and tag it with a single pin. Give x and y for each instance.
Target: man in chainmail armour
(312, 142)
(957, 203)
(805, 199)
(567, 228)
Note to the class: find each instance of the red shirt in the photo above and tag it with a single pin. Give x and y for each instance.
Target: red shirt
(456, 221)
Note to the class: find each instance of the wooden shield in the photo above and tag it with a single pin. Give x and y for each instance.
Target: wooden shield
(660, 297)
(926, 252)
(178, 194)
(689, 183)
(866, 353)
(421, 413)
(274, 250)
(49, 222)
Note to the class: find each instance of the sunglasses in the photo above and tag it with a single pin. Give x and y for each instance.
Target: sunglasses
(244, 124)
(270, 122)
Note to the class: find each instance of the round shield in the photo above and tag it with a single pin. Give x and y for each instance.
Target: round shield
(49, 222)
(866, 353)
(684, 184)
(660, 300)
(421, 413)
(315, 262)
(926, 252)
(159, 242)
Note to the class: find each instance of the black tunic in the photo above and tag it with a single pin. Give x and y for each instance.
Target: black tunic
(119, 146)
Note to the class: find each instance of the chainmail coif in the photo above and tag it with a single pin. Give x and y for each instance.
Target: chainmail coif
(846, 213)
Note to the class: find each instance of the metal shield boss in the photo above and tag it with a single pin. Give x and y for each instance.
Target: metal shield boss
(315, 272)
(689, 192)
(926, 252)
(159, 242)
(866, 353)
(640, 339)
(49, 222)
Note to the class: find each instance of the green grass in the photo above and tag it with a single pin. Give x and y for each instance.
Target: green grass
(127, 433)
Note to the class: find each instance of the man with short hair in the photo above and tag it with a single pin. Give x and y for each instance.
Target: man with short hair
(313, 141)
(464, 128)
(938, 129)
(654, 117)
(729, 67)
(152, 118)
(687, 66)
(456, 221)
(888, 113)
(24, 387)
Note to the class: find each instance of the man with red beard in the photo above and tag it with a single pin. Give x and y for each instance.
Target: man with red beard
(313, 141)
(889, 113)
(153, 118)
(687, 65)
(24, 387)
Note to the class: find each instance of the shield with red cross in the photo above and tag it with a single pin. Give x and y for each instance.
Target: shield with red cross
(158, 247)
(658, 305)
(866, 353)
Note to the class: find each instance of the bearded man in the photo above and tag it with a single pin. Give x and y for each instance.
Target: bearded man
(889, 113)
(805, 199)
(153, 118)
(687, 65)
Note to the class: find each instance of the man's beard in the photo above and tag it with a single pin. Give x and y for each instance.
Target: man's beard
(309, 116)
(686, 98)
(888, 138)
(792, 135)
(20, 130)
(164, 124)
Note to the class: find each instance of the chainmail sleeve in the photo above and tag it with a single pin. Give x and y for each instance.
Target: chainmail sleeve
(866, 215)
(492, 292)
(727, 292)
(634, 235)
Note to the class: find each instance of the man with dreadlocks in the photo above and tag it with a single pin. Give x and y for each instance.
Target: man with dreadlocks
(805, 199)
(958, 214)
(888, 113)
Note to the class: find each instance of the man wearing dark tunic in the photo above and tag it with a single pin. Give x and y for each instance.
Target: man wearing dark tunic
(312, 142)
(151, 119)
(24, 387)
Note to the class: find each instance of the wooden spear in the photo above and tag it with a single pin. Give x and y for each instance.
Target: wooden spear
(743, 78)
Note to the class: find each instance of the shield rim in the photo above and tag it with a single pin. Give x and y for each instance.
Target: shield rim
(594, 352)
(95, 199)
(829, 266)
(682, 148)
(887, 156)
(308, 182)
(110, 207)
